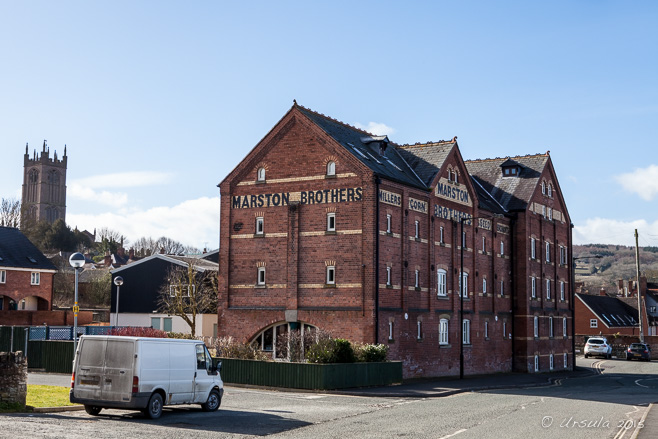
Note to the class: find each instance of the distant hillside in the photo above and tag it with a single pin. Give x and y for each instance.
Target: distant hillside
(616, 262)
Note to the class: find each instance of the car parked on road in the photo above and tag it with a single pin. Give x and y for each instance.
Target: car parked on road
(598, 346)
(641, 351)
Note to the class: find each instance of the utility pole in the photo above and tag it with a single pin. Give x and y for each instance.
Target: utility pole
(639, 295)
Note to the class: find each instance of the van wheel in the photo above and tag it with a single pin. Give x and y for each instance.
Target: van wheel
(93, 409)
(213, 402)
(154, 408)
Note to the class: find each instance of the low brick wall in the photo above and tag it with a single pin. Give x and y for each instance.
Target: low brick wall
(13, 378)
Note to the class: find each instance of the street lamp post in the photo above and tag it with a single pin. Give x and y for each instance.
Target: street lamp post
(118, 281)
(77, 261)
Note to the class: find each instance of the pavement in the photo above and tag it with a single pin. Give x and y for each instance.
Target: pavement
(435, 388)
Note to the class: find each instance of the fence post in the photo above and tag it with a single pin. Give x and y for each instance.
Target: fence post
(27, 338)
(11, 340)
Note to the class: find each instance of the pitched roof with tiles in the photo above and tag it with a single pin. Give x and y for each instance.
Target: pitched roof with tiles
(427, 159)
(610, 310)
(365, 147)
(16, 251)
(512, 192)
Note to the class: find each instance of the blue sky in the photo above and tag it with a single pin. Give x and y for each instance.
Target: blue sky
(158, 101)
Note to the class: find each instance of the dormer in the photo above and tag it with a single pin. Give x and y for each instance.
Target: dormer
(511, 168)
(381, 140)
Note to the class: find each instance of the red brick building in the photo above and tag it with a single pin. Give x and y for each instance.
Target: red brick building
(26, 275)
(325, 225)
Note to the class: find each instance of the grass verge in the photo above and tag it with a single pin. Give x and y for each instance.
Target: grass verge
(40, 396)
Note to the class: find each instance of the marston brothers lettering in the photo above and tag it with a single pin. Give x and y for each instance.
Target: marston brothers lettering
(342, 195)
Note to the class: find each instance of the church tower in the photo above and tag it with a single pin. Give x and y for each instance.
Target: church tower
(44, 186)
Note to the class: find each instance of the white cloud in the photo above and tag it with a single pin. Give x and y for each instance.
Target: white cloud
(192, 222)
(376, 128)
(643, 181)
(124, 179)
(610, 231)
(114, 199)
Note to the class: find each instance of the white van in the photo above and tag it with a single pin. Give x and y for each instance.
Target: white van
(143, 373)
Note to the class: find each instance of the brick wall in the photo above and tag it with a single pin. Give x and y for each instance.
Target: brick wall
(13, 378)
(17, 287)
(50, 318)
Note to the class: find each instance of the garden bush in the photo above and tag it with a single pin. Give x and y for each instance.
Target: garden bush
(228, 347)
(370, 353)
(137, 331)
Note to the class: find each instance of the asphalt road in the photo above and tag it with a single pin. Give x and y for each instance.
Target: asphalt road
(607, 404)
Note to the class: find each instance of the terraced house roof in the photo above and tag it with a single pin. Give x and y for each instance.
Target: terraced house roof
(16, 251)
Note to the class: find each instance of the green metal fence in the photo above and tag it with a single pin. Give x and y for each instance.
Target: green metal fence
(310, 376)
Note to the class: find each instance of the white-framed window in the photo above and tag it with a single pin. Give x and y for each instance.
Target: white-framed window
(548, 289)
(388, 223)
(535, 326)
(484, 244)
(566, 360)
(331, 168)
(155, 322)
(562, 295)
(533, 252)
(550, 214)
(543, 188)
(331, 222)
(486, 329)
(456, 177)
(443, 332)
(35, 278)
(390, 331)
(551, 362)
(593, 323)
(331, 275)
(441, 276)
(416, 229)
(543, 211)
(533, 287)
(3, 276)
(463, 284)
(260, 225)
(466, 336)
(441, 235)
(550, 327)
(502, 288)
(548, 252)
(419, 326)
(260, 280)
(184, 289)
(564, 327)
(417, 279)
(388, 276)
(550, 190)
(536, 363)
(484, 285)
(260, 175)
(504, 329)
(502, 248)
(563, 255)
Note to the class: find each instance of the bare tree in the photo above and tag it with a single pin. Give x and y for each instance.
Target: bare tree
(188, 292)
(146, 246)
(10, 212)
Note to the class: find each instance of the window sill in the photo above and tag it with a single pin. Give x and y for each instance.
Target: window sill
(389, 286)
(419, 339)
(330, 176)
(329, 285)
(261, 181)
(330, 232)
(416, 288)
(445, 346)
(259, 235)
(391, 340)
(416, 238)
(442, 297)
(260, 286)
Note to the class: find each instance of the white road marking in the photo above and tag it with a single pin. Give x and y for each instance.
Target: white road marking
(454, 434)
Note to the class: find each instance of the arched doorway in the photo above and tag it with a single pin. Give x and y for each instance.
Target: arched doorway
(280, 338)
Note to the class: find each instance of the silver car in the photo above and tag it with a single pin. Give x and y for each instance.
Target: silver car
(598, 346)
